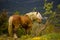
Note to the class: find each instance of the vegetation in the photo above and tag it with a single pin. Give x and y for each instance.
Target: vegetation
(17, 12)
(3, 21)
(52, 36)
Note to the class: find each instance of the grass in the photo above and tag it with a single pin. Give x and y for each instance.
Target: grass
(51, 36)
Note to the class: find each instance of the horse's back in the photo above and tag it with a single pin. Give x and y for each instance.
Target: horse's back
(14, 17)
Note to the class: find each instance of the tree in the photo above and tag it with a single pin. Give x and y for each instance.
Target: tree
(49, 26)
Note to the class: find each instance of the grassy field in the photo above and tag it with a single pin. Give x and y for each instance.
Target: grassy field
(51, 36)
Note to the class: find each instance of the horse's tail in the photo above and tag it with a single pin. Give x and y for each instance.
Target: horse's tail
(10, 26)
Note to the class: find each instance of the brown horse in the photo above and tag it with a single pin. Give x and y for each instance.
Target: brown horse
(15, 21)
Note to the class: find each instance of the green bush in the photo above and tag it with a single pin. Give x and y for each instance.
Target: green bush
(20, 32)
(3, 21)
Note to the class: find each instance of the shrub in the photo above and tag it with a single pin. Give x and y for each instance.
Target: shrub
(3, 21)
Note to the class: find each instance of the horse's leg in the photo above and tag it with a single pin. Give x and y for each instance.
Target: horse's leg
(27, 31)
(29, 28)
(15, 31)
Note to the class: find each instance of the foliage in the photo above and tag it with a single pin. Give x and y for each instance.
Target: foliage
(51, 17)
(48, 10)
(49, 29)
(58, 6)
(3, 21)
(34, 9)
(20, 32)
(57, 17)
(35, 31)
(17, 12)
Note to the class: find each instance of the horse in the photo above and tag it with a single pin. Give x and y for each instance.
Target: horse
(15, 21)
(35, 16)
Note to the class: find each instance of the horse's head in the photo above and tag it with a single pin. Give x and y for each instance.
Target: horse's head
(38, 17)
(35, 16)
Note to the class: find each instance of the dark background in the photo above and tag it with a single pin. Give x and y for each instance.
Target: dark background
(24, 6)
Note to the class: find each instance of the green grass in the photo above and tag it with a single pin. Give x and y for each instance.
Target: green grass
(51, 36)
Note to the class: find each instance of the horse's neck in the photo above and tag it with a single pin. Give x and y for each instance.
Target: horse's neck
(30, 15)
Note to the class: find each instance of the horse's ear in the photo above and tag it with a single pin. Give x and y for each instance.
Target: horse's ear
(36, 13)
